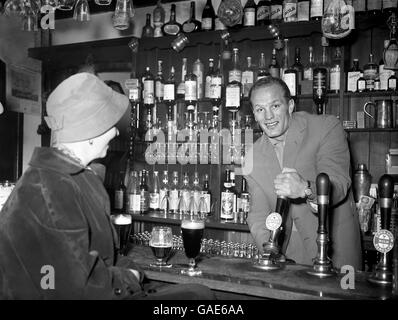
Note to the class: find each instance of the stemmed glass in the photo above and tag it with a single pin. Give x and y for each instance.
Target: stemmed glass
(161, 243)
(82, 11)
(192, 228)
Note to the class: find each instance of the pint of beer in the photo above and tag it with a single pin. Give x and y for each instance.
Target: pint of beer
(122, 223)
(192, 232)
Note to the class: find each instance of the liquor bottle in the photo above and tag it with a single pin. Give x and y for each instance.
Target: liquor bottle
(309, 68)
(290, 76)
(216, 92)
(249, 14)
(374, 7)
(325, 63)
(208, 16)
(370, 73)
(133, 194)
(172, 27)
(196, 192)
(274, 68)
(208, 78)
(290, 10)
(226, 213)
(316, 11)
(389, 7)
(185, 191)
(298, 66)
(169, 93)
(319, 87)
(198, 70)
(392, 83)
(190, 96)
(262, 68)
(181, 85)
(263, 15)
(276, 11)
(158, 19)
(247, 77)
(191, 25)
(147, 30)
(206, 195)
(334, 86)
(235, 195)
(244, 201)
(233, 91)
(174, 193)
(303, 10)
(159, 83)
(120, 195)
(164, 191)
(361, 84)
(144, 193)
(154, 196)
(149, 86)
(384, 74)
(359, 7)
(353, 75)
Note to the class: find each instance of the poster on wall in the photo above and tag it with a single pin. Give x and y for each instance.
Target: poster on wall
(23, 90)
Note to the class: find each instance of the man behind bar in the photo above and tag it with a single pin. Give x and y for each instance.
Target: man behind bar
(286, 160)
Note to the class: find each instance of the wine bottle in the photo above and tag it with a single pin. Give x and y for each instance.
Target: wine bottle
(208, 16)
(172, 27)
(274, 68)
(233, 90)
(263, 15)
(144, 193)
(244, 201)
(335, 73)
(303, 10)
(208, 78)
(316, 11)
(353, 75)
(290, 76)
(276, 11)
(147, 30)
(249, 14)
(191, 25)
(154, 196)
(159, 83)
(120, 196)
(290, 10)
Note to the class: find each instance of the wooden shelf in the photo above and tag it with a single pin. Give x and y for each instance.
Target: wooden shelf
(372, 130)
(371, 94)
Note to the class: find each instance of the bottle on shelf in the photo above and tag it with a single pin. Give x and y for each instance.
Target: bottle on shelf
(249, 14)
(298, 66)
(244, 202)
(190, 95)
(181, 85)
(274, 68)
(289, 75)
(319, 87)
(158, 19)
(185, 192)
(389, 7)
(303, 10)
(325, 61)
(198, 71)
(392, 83)
(191, 25)
(374, 7)
(353, 76)
(164, 192)
(216, 93)
(359, 7)
(263, 15)
(147, 30)
(172, 27)
(144, 193)
(361, 84)
(335, 73)
(226, 213)
(233, 90)
(289, 10)
(208, 77)
(154, 195)
(247, 77)
(309, 68)
(208, 16)
(120, 195)
(370, 73)
(196, 193)
(276, 11)
(159, 83)
(174, 193)
(262, 68)
(169, 90)
(235, 196)
(133, 194)
(206, 195)
(316, 11)
(149, 99)
(384, 74)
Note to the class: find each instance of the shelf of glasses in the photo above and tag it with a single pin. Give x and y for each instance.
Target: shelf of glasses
(175, 219)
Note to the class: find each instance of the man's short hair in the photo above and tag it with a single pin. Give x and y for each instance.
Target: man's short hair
(269, 81)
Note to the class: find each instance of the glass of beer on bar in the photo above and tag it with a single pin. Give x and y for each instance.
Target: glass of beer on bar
(161, 243)
(192, 228)
(122, 223)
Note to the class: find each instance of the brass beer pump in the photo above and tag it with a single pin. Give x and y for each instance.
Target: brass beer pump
(383, 240)
(322, 266)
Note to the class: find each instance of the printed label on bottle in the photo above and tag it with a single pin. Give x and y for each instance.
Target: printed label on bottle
(159, 89)
(148, 92)
(316, 8)
(308, 74)
(370, 84)
(206, 23)
(290, 12)
(263, 13)
(169, 92)
(352, 79)
(319, 84)
(303, 11)
(227, 202)
(245, 204)
(392, 84)
(190, 90)
(335, 78)
(174, 200)
(215, 89)
(290, 80)
(232, 97)
(276, 12)
(171, 29)
(119, 194)
(250, 17)
(207, 86)
(361, 85)
(133, 94)
(144, 199)
(154, 201)
(134, 203)
(235, 75)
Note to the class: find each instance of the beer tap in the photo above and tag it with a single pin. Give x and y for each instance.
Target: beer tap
(383, 240)
(322, 266)
(272, 257)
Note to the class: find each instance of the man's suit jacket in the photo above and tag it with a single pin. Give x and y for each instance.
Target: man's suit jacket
(314, 144)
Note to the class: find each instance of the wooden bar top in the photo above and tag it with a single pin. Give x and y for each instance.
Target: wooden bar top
(239, 276)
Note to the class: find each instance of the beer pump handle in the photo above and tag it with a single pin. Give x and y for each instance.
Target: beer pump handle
(322, 189)
(386, 192)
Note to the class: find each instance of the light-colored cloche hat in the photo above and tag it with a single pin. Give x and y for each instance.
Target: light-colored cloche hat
(83, 107)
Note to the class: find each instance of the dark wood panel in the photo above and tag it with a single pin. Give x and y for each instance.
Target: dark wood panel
(359, 148)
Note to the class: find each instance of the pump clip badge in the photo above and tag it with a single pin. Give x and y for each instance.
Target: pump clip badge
(383, 241)
(274, 221)
(338, 20)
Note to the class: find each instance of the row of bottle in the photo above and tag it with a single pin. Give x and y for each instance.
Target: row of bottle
(262, 13)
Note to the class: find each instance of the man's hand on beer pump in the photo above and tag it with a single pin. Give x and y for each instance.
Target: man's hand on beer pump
(290, 184)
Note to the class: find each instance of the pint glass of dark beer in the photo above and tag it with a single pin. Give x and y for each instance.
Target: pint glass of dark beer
(161, 243)
(192, 233)
(122, 223)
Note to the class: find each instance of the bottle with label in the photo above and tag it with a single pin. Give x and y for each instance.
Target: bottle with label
(147, 30)
(181, 85)
(353, 75)
(290, 10)
(164, 192)
(392, 83)
(216, 92)
(233, 90)
(154, 196)
(244, 202)
(316, 11)
(263, 12)
(319, 87)
(208, 78)
(274, 68)
(389, 7)
(227, 199)
(208, 16)
(325, 63)
(133, 194)
(309, 68)
(172, 27)
(191, 25)
(334, 86)
(190, 95)
(120, 195)
(370, 73)
(235, 195)
(158, 19)
(149, 89)
(144, 193)
(361, 84)
(262, 68)
(374, 7)
(196, 193)
(276, 11)
(159, 83)
(298, 66)
(359, 7)
(247, 77)
(174, 193)
(185, 191)
(249, 14)
(198, 71)
(303, 10)
(206, 195)
(169, 94)
(289, 74)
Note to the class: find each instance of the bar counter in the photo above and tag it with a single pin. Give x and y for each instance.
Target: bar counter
(237, 278)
